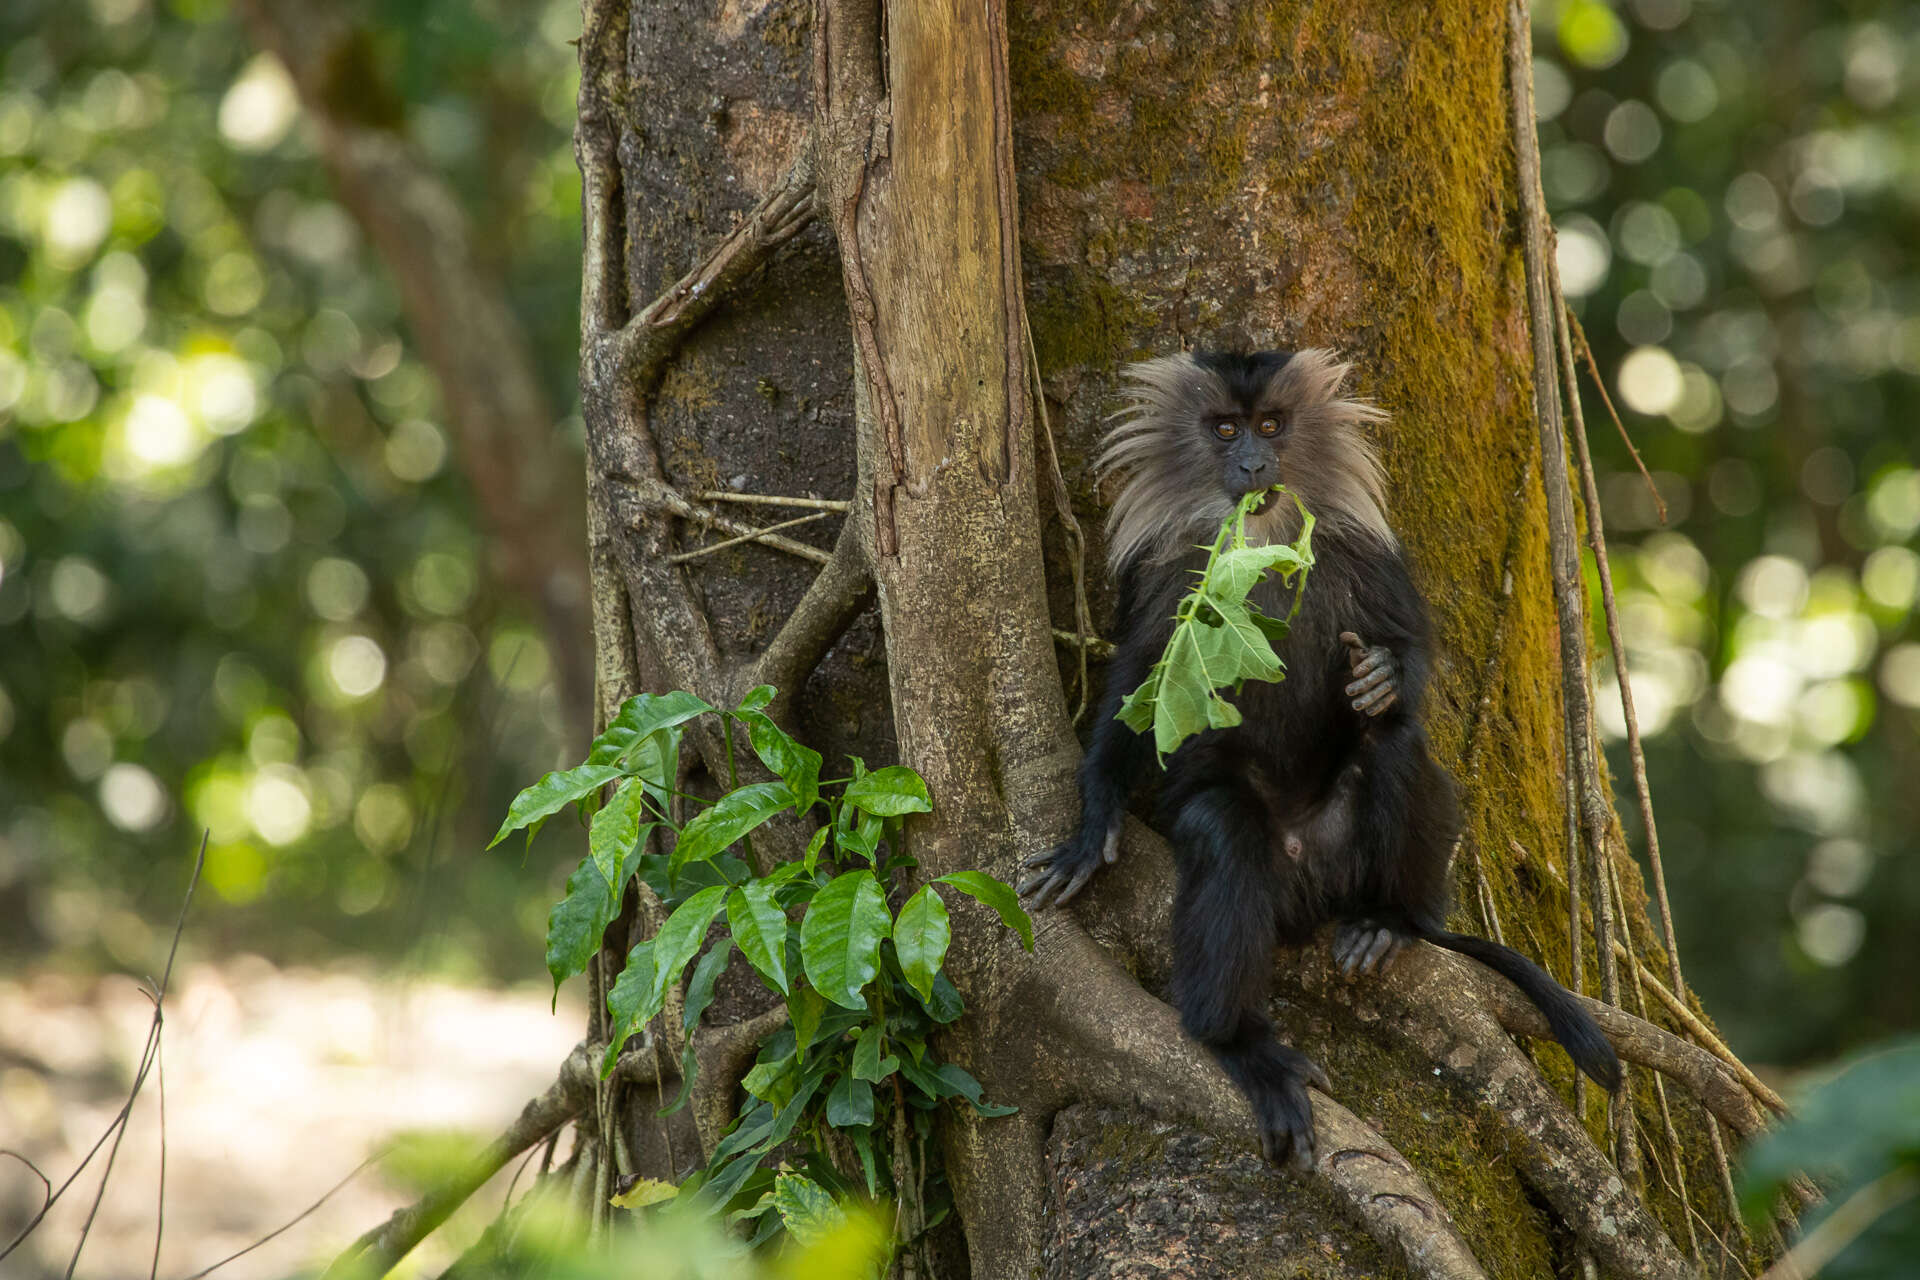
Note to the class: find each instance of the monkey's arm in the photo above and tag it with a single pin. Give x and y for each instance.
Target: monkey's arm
(1114, 760)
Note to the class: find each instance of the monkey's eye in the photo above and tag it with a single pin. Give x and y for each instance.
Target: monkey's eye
(1226, 430)
(1270, 426)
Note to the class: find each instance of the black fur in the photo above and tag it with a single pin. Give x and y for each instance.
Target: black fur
(1308, 812)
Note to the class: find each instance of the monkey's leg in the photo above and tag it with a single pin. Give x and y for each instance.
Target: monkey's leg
(1405, 820)
(1224, 931)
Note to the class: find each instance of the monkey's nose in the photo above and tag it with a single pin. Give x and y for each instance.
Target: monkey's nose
(1253, 470)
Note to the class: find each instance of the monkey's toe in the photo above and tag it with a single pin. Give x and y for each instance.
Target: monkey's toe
(1365, 947)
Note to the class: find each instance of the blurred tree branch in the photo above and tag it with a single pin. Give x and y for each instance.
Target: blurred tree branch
(529, 488)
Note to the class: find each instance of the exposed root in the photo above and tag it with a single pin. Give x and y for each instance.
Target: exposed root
(1126, 1047)
(828, 608)
(752, 535)
(1432, 1002)
(1636, 1040)
(375, 1253)
(724, 1056)
(772, 500)
(650, 339)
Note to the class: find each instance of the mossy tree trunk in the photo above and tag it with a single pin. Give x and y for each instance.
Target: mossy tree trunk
(813, 238)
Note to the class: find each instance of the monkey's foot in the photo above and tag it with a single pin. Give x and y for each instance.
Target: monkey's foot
(1376, 683)
(1366, 946)
(1274, 1079)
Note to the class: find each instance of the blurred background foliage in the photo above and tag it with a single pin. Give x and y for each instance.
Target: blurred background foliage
(1737, 190)
(242, 582)
(244, 586)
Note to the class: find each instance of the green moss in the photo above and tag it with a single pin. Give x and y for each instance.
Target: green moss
(1080, 319)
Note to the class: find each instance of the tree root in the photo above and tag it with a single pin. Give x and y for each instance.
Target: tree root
(1637, 1040)
(824, 613)
(650, 339)
(375, 1253)
(1121, 1045)
(1432, 1002)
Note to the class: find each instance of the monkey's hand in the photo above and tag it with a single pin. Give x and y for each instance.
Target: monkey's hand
(1366, 946)
(1062, 872)
(1376, 682)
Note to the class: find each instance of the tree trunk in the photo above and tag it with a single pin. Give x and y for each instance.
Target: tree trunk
(763, 184)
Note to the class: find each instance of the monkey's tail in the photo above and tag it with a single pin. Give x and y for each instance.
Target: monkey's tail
(1572, 1026)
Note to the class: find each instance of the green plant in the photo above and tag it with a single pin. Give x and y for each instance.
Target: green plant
(864, 986)
(1219, 638)
(1858, 1131)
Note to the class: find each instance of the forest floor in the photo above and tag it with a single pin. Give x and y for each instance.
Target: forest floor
(278, 1083)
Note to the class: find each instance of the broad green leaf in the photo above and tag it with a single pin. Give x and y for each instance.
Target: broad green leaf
(700, 987)
(675, 944)
(638, 718)
(729, 818)
(920, 938)
(1219, 639)
(889, 792)
(955, 1081)
(772, 1079)
(804, 1008)
(984, 889)
(797, 766)
(760, 928)
(552, 794)
(946, 1005)
(615, 831)
(644, 1192)
(860, 832)
(866, 1054)
(577, 922)
(757, 698)
(814, 846)
(809, 1213)
(840, 937)
(625, 1000)
(849, 1103)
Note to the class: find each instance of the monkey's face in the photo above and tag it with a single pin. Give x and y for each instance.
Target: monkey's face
(1249, 444)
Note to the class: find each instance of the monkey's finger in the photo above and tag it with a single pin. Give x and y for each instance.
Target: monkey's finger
(1371, 680)
(1351, 640)
(1042, 893)
(1381, 704)
(1318, 1077)
(1373, 659)
(1376, 700)
(1075, 885)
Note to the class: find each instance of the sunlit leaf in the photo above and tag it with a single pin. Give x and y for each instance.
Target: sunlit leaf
(841, 934)
(990, 892)
(760, 928)
(889, 792)
(920, 938)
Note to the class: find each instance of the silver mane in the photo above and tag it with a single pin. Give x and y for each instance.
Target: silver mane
(1171, 498)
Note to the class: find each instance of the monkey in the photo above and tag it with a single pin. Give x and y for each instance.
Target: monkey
(1324, 804)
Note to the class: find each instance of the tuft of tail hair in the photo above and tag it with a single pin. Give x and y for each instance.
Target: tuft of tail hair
(1571, 1025)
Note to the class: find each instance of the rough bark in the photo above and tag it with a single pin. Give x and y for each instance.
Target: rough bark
(1282, 174)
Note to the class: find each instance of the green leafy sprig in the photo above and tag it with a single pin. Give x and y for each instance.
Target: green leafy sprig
(1220, 640)
(864, 987)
